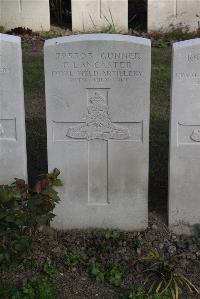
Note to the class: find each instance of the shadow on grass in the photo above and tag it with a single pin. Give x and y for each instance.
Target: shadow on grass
(158, 167)
(36, 147)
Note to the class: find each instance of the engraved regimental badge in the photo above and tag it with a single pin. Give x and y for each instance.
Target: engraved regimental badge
(98, 124)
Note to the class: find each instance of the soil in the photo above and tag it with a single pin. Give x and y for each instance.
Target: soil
(75, 282)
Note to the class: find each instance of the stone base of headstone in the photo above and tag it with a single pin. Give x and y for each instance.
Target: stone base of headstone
(167, 15)
(100, 15)
(32, 14)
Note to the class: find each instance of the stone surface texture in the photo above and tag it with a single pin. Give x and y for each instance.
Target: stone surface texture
(12, 117)
(97, 101)
(163, 15)
(184, 167)
(33, 14)
(93, 15)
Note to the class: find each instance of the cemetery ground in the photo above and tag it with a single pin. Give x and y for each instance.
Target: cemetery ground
(103, 263)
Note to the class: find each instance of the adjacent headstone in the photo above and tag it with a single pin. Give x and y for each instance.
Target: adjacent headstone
(97, 101)
(33, 14)
(184, 174)
(12, 117)
(164, 15)
(95, 15)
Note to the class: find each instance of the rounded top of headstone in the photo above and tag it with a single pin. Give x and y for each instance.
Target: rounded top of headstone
(10, 38)
(186, 43)
(98, 37)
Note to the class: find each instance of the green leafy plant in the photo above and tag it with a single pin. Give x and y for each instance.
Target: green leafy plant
(22, 210)
(24, 45)
(176, 33)
(73, 258)
(137, 243)
(98, 271)
(159, 43)
(115, 236)
(162, 276)
(37, 288)
(50, 269)
(48, 34)
(179, 32)
(115, 274)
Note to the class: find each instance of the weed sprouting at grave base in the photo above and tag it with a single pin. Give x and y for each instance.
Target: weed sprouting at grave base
(37, 288)
(113, 274)
(163, 278)
(73, 258)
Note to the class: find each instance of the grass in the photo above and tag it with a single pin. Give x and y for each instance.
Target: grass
(33, 67)
(2, 29)
(159, 128)
(160, 96)
(34, 84)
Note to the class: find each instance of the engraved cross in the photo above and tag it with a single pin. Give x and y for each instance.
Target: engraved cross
(20, 5)
(100, 8)
(176, 8)
(98, 130)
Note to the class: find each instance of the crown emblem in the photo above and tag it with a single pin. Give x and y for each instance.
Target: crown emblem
(97, 99)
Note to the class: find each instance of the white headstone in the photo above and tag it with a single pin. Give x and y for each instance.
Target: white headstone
(184, 175)
(33, 14)
(163, 15)
(95, 15)
(97, 101)
(12, 118)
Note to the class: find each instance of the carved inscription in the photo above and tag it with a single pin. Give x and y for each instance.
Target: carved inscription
(98, 124)
(183, 75)
(193, 77)
(4, 70)
(106, 66)
(193, 58)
